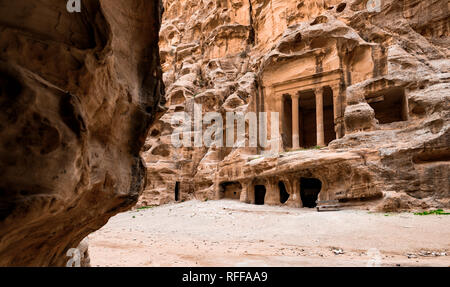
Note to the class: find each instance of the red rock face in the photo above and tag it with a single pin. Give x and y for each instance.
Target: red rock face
(78, 94)
(383, 75)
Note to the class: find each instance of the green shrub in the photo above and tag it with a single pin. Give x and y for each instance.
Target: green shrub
(146, 207)
(436, 212)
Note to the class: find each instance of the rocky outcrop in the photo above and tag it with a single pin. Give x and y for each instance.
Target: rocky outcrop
(382, 73)
(78, 94)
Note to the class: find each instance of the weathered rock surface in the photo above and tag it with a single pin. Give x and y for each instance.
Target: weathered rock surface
(78, 94)
(386, 72)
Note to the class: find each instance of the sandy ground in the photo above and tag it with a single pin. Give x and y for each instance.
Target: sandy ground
(230, 233)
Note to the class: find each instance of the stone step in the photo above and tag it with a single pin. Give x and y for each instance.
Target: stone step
(328, 208)
(328, 205)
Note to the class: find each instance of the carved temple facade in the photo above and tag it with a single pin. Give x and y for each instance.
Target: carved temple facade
(311, 112)
(310, 95)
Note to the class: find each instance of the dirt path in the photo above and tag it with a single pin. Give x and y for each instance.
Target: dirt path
(230, 233)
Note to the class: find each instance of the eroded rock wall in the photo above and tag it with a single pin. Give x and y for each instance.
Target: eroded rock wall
(78, 94)
(231, 55)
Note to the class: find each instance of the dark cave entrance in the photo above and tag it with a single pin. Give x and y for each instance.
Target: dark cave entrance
(390, 105)
(260, 194)
(177, 191)
(284, 195)
(328, 116)
(307, 119)
(287, 122)
(309, 191)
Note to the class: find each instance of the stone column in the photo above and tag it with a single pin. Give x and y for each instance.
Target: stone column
(319, 117)
(216, 188)
(337, 110)
(294, 197)
(295, 127)
(245, 193)
(282, 131)
(272, 192)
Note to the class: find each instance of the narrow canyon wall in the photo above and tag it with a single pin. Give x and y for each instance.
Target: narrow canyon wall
(385, 70)
(78, 94)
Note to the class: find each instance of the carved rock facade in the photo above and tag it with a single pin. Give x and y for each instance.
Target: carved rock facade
(362, 96)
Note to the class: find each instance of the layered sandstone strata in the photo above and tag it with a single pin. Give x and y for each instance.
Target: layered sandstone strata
(78, 94)
(363, 98)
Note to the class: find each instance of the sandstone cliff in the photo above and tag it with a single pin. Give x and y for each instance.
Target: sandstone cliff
(384, 75)
(78, 94)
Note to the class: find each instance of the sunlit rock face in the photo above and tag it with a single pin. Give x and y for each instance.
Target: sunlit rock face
(78, 94)
(371, 86)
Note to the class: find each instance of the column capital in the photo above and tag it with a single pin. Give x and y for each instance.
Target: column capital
(318, 90)
(294, 96)
(335, 86)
